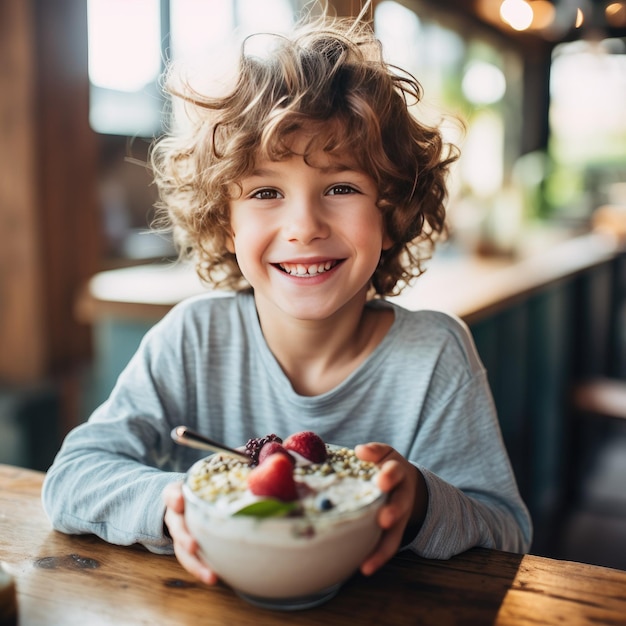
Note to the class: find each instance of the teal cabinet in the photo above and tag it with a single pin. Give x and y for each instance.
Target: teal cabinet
(534, 350)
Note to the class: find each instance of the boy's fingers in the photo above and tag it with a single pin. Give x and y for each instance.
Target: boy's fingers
(387, 548)
(389, 516)
(391, 475)
(373, 452)
(181, 537)
(195, 566)
(186, 548)
(173, 497)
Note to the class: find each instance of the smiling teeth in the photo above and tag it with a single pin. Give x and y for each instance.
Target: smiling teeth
(299, 269)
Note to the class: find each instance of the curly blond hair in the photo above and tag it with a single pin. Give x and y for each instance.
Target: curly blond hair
(328, 74)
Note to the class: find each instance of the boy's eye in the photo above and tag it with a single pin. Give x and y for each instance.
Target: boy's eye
(265, 194)
(340, 190)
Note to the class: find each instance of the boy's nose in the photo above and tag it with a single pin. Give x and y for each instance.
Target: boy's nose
(305, 222)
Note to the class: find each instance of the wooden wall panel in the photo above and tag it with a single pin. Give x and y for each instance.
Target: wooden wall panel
(67, 151)
(49, 226)
(22, 345)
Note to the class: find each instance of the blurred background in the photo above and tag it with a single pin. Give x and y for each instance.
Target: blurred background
(534, 263)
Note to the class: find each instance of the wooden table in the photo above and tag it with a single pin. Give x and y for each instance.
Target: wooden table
(80, 580)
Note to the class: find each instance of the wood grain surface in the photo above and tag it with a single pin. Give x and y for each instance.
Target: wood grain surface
(76, 580)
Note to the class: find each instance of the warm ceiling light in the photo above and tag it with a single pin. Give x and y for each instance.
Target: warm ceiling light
(544, 14)
(616, 14)
(518, 14)
(489, 10)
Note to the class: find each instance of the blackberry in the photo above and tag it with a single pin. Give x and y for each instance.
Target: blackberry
(253, 446)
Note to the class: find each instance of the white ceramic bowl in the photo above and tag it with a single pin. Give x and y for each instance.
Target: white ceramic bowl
(283, 562)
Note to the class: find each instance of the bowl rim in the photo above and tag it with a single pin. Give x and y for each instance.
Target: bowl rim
(332, 514)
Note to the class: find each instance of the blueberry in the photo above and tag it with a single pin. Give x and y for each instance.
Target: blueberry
(325, 504)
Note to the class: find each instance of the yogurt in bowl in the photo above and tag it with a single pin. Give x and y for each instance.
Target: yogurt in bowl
(287, 550)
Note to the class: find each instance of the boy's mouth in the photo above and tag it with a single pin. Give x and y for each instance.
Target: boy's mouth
(307, 269)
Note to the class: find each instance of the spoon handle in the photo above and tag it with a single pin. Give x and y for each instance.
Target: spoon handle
(192, 439)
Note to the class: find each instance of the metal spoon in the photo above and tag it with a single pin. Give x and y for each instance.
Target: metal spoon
(187, 437)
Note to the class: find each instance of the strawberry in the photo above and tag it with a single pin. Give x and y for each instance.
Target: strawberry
(273, 447)
(274, 479)
(307, 444)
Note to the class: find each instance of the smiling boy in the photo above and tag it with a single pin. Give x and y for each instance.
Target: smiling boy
(311, 192)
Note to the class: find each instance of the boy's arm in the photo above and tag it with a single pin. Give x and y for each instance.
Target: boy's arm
(456, 521)
(108, 477)
(473, 499)
(90, 489)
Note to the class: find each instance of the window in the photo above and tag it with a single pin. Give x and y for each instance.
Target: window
(130, 41)
(468, 79)
(588, 127)
(124, 65)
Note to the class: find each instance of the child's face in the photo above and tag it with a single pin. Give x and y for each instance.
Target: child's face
(307, 238)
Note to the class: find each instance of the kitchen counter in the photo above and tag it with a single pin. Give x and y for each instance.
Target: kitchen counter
(469, 286)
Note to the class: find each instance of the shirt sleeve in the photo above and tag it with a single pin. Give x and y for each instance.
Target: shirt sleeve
(109, 475)
(473, 498)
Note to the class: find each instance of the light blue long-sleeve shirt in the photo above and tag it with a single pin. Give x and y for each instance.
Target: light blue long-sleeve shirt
(423, 390)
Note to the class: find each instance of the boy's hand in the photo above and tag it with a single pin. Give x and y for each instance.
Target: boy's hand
(185, 546)
(406, 503)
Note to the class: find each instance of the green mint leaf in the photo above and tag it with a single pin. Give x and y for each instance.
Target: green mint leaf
(267, 508)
